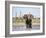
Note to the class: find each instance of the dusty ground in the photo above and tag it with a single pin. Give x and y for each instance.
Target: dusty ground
(19, 25)
(23, 28)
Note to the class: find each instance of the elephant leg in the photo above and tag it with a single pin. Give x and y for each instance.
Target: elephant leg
(30, 25)
(26, 25)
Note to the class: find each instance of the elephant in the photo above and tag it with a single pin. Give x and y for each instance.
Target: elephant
(28, 21)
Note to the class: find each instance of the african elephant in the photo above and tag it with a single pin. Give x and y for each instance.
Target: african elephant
(28, 20)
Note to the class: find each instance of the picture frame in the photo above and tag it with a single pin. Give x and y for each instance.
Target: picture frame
(23, 5)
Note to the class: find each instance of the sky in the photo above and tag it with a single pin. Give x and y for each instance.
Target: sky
(25, 10)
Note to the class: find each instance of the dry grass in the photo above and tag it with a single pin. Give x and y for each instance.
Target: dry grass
(22, 22)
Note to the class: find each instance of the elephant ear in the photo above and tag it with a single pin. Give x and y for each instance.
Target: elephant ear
(31, 16)
(25, 16)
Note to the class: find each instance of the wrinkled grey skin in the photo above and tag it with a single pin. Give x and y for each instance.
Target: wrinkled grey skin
(28, 21)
